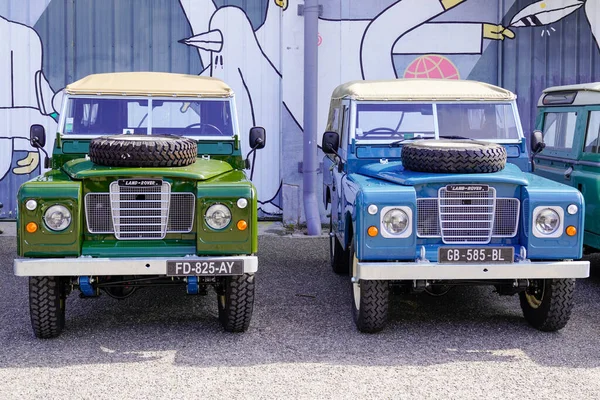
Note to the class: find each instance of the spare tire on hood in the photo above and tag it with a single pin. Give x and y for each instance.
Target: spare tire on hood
(453, 156)
(143, 151)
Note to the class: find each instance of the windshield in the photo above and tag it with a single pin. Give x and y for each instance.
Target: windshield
(101, 116)
(395, 121)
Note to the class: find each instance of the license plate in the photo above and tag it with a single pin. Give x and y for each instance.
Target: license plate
(205, 267)
(475, 255)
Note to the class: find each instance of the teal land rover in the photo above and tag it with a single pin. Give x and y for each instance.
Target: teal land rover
(569, 117)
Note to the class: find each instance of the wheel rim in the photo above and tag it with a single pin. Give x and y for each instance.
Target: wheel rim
(535, 294)
(355, 285)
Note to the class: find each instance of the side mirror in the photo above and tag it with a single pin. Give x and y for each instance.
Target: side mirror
(37, 136)
(331, 142)
(537, 142)
(257, 137)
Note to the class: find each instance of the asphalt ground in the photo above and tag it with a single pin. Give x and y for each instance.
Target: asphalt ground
(302, 342)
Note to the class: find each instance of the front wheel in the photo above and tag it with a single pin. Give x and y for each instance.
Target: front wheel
(236, 302)
(370, 301)
(47, 297)
(547, 303)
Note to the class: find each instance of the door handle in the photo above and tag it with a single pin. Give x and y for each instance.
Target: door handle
(568, 173)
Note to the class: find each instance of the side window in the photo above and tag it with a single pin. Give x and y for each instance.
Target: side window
(344, 130)
(559, 130)
(592, 140)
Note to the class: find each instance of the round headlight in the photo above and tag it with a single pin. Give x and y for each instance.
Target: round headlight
(547, 221)
(395, 221)
(57, 218)
(242, 202)
(31, 205)
(218, 216)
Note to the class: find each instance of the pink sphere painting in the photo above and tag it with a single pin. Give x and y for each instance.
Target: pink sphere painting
(432, 66)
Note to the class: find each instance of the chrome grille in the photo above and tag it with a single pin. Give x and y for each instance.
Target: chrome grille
(467, 217)
(506, 220)
(140, 212)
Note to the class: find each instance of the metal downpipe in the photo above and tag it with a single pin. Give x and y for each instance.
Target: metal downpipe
(310, 164)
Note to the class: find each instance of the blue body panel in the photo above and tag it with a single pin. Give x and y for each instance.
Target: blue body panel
(383, 181)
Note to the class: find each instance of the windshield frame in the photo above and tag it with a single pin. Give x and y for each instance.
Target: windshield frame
(354, 115)
(67, 97)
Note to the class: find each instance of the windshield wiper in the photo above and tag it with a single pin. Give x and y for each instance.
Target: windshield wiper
(397, 142)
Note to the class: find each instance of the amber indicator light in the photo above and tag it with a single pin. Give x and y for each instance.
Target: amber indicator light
(31, 227)
(372, 231)
(571, 230)
(242, 225)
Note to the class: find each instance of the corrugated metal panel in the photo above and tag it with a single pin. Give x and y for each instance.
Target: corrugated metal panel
(561, 53)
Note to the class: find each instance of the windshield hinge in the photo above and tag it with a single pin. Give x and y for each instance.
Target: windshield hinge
(205, 156)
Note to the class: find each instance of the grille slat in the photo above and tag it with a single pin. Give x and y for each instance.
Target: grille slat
(140, 212)
(467, 218)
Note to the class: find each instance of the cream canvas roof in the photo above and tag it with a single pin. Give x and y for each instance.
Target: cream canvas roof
(150, 84)
(421, 89)
(592, 86)
(587, 94)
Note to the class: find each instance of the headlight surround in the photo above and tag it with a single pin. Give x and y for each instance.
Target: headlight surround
(218, 216)
(396, 222)
(57, 218)
(548, 221)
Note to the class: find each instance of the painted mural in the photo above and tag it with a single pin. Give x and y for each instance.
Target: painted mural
(256, 46)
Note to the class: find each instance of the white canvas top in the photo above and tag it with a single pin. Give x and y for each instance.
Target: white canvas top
(150, 84)
(421, 89)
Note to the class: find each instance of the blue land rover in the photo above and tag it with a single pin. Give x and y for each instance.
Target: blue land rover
(429, 187)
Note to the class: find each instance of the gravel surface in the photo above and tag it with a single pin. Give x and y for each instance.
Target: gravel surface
(302, 342)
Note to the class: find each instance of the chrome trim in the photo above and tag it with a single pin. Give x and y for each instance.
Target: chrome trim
(181, 213)
(88, 266)
(429, 270)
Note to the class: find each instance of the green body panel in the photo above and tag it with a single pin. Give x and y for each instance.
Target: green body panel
(229, 151)
(138, 248)
(54, 187)
(584, 168)
(215, 178)
(201, 170)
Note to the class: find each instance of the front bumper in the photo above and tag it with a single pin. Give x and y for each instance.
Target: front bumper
(435, 271)
(88, 266)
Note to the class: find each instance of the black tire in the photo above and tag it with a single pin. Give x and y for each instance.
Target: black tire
(370, 301)
(47, 306)
(453, 156)
(547, 303)
(338, 257)
(143, 151)
(236, 301)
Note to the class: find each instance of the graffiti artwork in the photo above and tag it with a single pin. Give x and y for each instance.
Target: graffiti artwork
(257, 48)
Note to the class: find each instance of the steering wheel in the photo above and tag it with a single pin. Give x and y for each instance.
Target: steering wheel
(380, 130)
(202, 126)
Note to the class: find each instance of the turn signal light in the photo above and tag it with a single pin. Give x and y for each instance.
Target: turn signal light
(372, 231)
(242, 225)
(31, 227)
(571, 230)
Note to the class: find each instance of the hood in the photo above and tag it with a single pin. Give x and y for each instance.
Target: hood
(201, 170)
(394, 172)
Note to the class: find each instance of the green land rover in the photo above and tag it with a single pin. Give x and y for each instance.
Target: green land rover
(146, 188)
(569, 117)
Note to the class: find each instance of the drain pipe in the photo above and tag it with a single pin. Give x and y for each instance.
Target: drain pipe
(311, 35)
